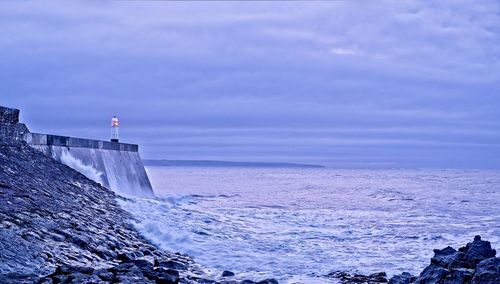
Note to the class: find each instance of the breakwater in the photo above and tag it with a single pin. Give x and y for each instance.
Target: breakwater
(116, 166)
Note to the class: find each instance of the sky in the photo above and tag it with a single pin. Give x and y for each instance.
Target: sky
(370, 84)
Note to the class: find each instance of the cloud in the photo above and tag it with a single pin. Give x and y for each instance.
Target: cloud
(247, 69)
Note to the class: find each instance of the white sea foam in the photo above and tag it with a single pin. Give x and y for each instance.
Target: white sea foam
(87, 170)
(297, 224)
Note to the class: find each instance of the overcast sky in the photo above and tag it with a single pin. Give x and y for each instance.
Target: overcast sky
(347, 84)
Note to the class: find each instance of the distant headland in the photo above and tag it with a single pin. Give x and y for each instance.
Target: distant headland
(221, 164)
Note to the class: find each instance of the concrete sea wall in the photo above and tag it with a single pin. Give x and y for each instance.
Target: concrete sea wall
(116, 166)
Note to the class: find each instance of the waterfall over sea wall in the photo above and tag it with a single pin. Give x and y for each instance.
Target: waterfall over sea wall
(116, 166)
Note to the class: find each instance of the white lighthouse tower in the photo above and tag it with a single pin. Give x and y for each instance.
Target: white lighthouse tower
(114, 129)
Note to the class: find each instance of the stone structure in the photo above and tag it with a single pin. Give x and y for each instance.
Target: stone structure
(116, 166)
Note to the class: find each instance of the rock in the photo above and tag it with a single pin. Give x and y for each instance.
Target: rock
(487, 271)
(60, 279)
(380, 277)
(227, 273)
(69, 269)
(143, 264)
(477, 251)
(345, 277)
(126, 256)
(57, 225)
(83, 278)
(9, 115)
(121, 268)
(449, 266)
(459, 276)
(105, 253)
(172, 265)
(201, 280)
(448, 257)
(268, 281)
(229, 282)
(104, 275)
(432, 274)
(46, 280)
(167, 276)
(403, 278)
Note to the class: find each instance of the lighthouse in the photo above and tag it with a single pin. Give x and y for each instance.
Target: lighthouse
(114, 129)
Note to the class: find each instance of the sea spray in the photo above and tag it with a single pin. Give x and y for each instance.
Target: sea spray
(87, 170)
(294, 223)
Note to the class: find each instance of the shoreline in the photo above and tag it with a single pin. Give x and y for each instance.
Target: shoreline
(58, 226)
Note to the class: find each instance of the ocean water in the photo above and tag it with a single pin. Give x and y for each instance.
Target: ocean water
(296, 225)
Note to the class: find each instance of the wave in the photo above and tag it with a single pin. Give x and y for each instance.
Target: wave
(87, 170)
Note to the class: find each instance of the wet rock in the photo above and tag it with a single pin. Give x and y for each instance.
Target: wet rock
(68, 269)
(60, 279)
(229, 282)
(432, 274)
(403, 278)
(477, 251)
(83, 278)
(459, 276)
(122, 268)
(104, 253)
(268, 281)
(167, 276)
(172, 265)
(104, 275)
(126, 256)
(345, 277)
(143, 264)
(448, 258)
(487, 271)
(449, 266)
(227, 273)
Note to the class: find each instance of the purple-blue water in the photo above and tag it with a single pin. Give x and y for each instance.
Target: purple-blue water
(297, 224)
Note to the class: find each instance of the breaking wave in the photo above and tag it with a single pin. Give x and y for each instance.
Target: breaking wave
(87, 170)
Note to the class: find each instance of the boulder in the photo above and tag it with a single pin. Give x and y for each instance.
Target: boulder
(432, 274)
(448, 258)
(126, 256)
(487, 272)
(459, 276)
(403, 278)
(227, 273)
(477, 251)
(166, 276)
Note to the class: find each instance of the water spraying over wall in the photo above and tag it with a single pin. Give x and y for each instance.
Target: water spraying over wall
(116, 166)
(87, 170)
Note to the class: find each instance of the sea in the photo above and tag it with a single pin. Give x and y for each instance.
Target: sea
(299, 224)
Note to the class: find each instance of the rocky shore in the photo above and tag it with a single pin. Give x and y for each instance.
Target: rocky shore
(475, 263)
(57, 226)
